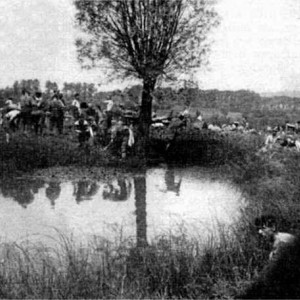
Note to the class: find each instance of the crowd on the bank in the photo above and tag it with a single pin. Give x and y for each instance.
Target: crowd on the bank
(92, 123)
(286, 136)
(283, 136)
(51, 115)
(187, 119)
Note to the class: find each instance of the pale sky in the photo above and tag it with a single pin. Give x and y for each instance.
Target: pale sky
(257, 45)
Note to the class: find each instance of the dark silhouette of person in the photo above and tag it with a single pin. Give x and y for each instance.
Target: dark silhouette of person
(85, 190)
(171, 185)
(53, 191)
(122, 193)
(36, 185)
(23, 194)
(56, 108)
(21, 191)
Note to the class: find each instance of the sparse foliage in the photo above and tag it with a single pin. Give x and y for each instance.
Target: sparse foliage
(146, 39)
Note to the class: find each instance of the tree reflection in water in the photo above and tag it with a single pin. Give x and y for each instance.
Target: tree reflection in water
(119, 192)
(22, 191)
(140, 205)
(53, 192)
(171, 184)
(85, 190)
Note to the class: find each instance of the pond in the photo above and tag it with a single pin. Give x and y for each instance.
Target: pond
(142, 206)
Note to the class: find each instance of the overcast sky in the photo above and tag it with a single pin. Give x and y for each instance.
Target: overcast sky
(257, 45)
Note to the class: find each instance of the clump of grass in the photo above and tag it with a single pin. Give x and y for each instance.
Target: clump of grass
(191, 146)
(271, 184)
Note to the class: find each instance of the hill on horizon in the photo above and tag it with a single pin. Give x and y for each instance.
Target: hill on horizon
(285, 93)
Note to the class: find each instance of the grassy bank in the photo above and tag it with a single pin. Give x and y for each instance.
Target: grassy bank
(26, 154)
(171, 266)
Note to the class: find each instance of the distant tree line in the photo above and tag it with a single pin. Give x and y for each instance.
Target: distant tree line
(244, 101)
(87, 91)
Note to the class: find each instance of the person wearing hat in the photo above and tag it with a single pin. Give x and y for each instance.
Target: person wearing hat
(84, 131)
(26, 100)
(39, 107)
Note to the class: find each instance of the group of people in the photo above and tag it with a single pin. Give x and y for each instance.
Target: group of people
(33, 112)
(282, 136)
(185, 121)
(42, 114)
(38, 112)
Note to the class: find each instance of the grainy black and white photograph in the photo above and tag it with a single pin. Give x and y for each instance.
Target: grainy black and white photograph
(150, 149)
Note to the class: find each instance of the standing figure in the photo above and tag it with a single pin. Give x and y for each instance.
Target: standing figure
(108, 112)
(83, 130)
(43, 106)
(26, 108)
(37, 115)
(76, 107)
(56, 114)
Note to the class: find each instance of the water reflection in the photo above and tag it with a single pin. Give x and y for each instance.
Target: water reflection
(53, 192)
(22, 191)
(171, 184)
(139, 206)
(117, 191)
(85, 190)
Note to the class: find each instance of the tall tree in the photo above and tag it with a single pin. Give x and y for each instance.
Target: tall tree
(146, 39)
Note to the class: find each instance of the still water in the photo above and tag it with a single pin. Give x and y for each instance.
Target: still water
(140, 207)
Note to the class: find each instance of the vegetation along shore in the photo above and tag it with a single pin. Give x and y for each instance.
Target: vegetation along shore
(170, 266)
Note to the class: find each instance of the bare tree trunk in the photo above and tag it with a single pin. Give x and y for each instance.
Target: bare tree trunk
(146, 112)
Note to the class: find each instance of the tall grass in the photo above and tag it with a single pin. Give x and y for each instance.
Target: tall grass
(191, 146)
(170, 267)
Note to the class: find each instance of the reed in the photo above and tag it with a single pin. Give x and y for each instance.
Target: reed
(169, 267)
